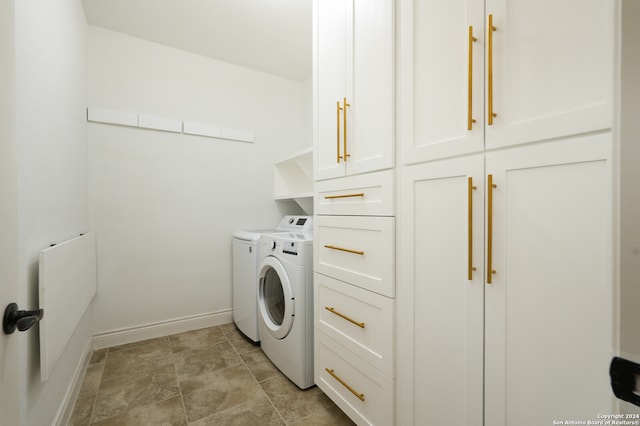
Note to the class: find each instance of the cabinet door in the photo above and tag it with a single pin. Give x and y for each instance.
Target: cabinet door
(330, 27)
(552, 69)
(438, 83)
(549, 310)
(440, 306)
(370, 85)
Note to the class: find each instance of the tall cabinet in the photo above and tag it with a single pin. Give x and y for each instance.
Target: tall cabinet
(505, 294)
(354, 224)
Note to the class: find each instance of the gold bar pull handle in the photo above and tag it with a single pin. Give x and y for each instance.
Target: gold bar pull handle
(361, 253)
(343, 316)
(339, 157)
(330, 197)
(344, 124)
(470, 267)
(470, 119)
(343, 383)
(490, 270)
(491, 29)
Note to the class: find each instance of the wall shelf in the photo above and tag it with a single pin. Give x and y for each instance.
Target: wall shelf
(293, 179)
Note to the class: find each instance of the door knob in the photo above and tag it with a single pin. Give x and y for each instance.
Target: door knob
(23, 320)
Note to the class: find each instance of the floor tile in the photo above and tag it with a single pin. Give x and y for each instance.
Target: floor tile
(332, 416)
(135, 361)
(91, 381)
(218, 391)
(292, 403)
(260, 365)
(196, 362)
(98, 356)
(239, 341)
(159, 342)
(259, 412)
(81, 414)
(196, 339)
(118, 395)
(166, 413)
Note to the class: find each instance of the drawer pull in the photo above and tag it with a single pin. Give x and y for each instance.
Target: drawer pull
(343, 383)
(330, 197)
(361, 253)
(343, 316)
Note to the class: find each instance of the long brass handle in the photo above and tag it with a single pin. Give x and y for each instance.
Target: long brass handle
(361, 253)
(343, 316)
(490, 270)
(470, 119)
(491, 29)
(330, 197)
(338, 133)
(344, 124)
(343, 383)
(470, 267)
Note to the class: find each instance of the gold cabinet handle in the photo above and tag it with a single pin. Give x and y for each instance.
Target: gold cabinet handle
(361, 253)
(344, 124)
(343, 316)
(490, 270)
(343, 383)
(470, 267)
(338, 133)
(470, 119)
(330, 197)
(491, 29)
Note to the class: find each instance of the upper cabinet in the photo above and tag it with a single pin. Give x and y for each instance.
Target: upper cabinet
(479, 75)
(353, 86)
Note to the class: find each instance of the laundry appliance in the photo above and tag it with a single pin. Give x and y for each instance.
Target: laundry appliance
(246, 245)
(285, 303)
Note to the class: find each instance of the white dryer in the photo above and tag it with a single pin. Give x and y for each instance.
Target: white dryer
(245, 259)
(285, 303)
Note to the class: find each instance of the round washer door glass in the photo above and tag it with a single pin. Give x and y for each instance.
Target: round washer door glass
(275, 298)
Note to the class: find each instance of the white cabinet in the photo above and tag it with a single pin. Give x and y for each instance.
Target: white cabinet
(543, 225)
(545, 71)
(353, 86)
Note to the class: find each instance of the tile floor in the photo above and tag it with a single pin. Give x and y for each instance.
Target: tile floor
(213, 376)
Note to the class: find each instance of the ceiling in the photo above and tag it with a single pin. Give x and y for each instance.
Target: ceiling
(273, 36)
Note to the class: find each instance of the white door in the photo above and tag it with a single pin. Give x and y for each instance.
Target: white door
(444, 284)
(276, 300)
(549, 311)
(552, 69)
(442, 80)
(9, 344)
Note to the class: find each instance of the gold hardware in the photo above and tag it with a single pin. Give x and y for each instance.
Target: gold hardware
(361, 253)
(343, 383)
(344, 123)
(490, 271)
(343, 316)
(490, 69)
(328, 197)
(338, 138)
(470, 119)
(470, 267)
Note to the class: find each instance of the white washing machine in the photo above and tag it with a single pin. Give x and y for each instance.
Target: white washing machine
(285, 303)
(245, 259)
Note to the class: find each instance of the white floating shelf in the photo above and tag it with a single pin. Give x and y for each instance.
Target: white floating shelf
(145, 121)
(293, 177)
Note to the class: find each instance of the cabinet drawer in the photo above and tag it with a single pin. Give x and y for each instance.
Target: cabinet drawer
(369, 194)
(358, 319)
(356, 249)
(365, 394)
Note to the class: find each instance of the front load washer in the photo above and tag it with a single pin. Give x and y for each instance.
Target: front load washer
(285, 303)
(245, 259)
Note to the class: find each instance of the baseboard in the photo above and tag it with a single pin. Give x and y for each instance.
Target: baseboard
(159, 329)
(66, 408)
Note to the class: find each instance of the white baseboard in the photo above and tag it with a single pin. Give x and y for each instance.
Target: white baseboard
(160, 329)
(68, 403)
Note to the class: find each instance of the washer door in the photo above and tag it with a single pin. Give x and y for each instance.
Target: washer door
(275, 298)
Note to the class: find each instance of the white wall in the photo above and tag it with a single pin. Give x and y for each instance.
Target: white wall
(52, 172)
(165, 205)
